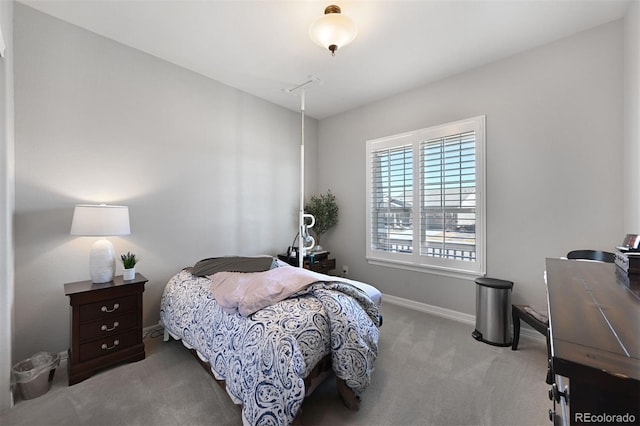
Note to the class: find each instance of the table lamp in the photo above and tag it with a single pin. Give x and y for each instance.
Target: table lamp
(101, 220)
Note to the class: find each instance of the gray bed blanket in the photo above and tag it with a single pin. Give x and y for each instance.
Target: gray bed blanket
(232, 264)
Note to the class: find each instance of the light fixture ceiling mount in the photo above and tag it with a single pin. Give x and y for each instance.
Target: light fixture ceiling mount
(333, 30)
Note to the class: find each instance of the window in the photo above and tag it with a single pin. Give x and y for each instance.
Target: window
(425, 198)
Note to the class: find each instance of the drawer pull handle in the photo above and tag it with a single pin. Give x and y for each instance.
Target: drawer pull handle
(105, 328)
(115, 306)
(108, 348)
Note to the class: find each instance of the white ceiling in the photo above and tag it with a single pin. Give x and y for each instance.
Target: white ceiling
(263, 47)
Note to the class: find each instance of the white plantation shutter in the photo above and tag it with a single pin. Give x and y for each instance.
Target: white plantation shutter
(392, 199)
(425, 199)
(448, 189)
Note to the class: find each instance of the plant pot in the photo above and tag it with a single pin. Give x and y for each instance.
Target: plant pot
(129, 274)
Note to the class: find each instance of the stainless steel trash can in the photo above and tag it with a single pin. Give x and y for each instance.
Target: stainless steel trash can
(493, 316)
(34, 375)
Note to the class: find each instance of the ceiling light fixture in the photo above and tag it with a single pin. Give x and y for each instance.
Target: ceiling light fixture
(333, 30)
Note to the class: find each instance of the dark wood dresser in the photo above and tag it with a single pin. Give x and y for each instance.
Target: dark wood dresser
(106, 325)
(594, 338)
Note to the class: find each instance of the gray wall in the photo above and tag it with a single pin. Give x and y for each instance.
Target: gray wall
(632, 119)
(6, 204)
(206, 170)
(99, 122)
(554, 163)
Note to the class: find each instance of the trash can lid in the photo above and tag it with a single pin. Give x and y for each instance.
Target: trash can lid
(494, 283)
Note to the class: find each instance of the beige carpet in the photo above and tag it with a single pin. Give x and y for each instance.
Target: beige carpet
(430, 371)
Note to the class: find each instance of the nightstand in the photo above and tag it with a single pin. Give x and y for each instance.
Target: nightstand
(106, 325)
(319, 262)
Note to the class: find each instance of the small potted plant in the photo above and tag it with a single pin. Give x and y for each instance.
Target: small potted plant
(129, 261)
(325, 209)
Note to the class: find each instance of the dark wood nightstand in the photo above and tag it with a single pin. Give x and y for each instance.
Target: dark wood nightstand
(318, 262)
(106, 325)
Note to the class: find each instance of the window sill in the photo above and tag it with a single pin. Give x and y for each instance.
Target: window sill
(463, 275)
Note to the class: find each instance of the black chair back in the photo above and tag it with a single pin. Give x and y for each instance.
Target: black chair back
(601, 256)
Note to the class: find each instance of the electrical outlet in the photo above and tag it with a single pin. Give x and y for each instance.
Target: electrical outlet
(345, 270)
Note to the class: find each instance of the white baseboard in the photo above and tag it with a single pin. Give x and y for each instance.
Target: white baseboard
(525, 332)
(430, 309)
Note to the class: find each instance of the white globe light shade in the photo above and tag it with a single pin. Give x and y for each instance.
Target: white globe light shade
(333, 29)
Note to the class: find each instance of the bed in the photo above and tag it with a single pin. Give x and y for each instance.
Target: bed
(269, 333)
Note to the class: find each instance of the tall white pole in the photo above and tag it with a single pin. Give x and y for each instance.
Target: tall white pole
(301, 249)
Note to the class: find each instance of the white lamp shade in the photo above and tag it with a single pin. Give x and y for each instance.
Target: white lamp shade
(333, 29)
(100, 220)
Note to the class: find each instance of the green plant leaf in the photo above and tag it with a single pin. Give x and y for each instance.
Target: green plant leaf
(129, 260)
(325, 209)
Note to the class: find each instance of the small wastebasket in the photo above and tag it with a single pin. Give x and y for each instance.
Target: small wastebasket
(34, 375)
(493, 316)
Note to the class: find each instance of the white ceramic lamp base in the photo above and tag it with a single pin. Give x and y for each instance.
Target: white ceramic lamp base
(102, 262)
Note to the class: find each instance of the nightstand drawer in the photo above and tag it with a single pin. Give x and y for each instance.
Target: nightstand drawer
(108, 326)
(323, 266)
(108, 308)
(110, 344)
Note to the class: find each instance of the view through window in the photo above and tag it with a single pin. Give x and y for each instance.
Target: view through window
(437, 176)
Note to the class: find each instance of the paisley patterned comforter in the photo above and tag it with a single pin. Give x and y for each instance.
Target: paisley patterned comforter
(264, 358)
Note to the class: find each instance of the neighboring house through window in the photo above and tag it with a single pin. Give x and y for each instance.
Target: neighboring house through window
(426, 199)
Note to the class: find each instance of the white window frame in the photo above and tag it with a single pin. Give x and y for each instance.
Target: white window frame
(415, 261)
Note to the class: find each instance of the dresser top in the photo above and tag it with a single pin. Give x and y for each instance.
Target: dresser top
(594, 315)
(86, 286)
